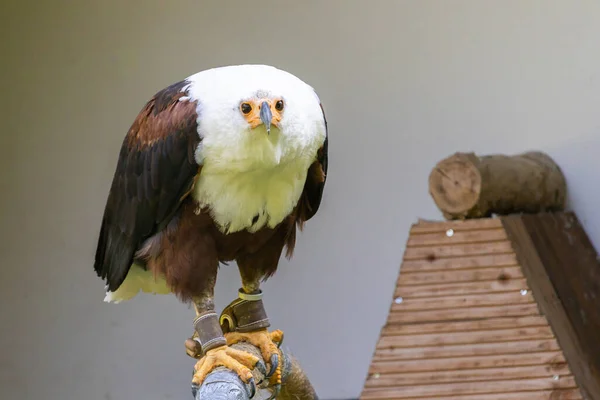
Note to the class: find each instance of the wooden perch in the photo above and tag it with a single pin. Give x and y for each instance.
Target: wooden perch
(467, 186)
(223, 384)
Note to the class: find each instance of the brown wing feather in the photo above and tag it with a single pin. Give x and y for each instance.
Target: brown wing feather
(311, 196)
(312, 193)
(155, 171)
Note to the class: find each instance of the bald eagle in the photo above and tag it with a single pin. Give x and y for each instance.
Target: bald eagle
(221, 166)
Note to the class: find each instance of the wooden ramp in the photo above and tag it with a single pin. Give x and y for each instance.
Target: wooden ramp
(490, 309)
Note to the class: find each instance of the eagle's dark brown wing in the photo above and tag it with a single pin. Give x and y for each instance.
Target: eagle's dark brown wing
(155, 170)
(315, 183)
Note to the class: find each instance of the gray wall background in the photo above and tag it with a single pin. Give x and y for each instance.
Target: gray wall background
(404, 83)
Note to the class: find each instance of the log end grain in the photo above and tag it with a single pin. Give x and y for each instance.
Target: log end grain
(455, 184)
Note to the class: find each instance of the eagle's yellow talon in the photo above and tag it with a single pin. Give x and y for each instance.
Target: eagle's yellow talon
(277, 336)
(193, 348)
(266, 342)
(276, 377)
(237, 361)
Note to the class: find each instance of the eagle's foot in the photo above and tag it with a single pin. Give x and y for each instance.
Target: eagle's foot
(215, 353)
(235, 360)
(193, 348)
(268, 343)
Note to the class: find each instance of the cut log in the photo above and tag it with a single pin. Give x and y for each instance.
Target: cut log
(465, 185)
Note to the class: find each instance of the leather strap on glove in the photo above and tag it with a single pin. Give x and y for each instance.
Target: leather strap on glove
(244, 314)
(209, 331)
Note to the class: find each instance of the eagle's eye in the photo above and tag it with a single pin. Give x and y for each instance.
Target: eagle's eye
(246, 108)
(279, 105)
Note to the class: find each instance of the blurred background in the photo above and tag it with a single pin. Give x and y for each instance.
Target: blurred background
(403, 83)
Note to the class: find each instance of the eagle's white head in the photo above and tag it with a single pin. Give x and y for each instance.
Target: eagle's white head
(252, 116)
(260, 130)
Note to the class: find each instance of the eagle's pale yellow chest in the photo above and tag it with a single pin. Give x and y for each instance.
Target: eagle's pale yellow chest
(251, 192)
(251, 199)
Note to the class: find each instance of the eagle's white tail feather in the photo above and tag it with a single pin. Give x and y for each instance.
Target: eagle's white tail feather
(137, 280)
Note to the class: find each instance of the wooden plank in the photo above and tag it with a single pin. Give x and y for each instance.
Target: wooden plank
(554, 359)
(462, 301)
(509, 310)
(463, 388)
(557, 257)
(469, 262)
(467, 375)
(554, 394)
(444, 339)
(458, 250)
(466, 350)
(466, 326)
(470, 275)
(462, 288)
(572, 265)
(445, 237)
(425, 226)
